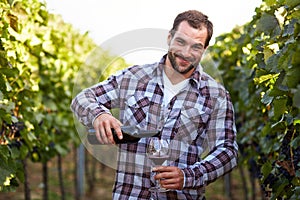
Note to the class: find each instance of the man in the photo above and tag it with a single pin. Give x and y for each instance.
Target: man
(177, 98)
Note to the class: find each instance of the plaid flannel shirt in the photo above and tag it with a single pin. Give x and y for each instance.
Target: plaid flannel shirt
(198, 120)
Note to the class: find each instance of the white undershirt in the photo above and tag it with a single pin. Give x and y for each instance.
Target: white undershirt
(171, 90)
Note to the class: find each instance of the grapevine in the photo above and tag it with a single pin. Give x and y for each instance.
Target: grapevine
(260, 67)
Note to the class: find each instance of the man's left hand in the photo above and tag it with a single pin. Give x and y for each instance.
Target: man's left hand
(170, 177)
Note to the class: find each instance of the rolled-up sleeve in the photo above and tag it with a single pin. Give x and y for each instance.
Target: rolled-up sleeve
(93, 101)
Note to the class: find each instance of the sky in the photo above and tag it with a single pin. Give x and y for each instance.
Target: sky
(107, 19)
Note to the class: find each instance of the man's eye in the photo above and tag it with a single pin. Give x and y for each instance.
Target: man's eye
(197, 48)
(180, 42)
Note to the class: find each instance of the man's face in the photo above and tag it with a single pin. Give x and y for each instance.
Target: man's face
(186, 48)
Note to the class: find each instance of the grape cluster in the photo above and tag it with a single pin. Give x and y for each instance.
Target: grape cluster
(296, 158)
(11, 134)
(286, 166)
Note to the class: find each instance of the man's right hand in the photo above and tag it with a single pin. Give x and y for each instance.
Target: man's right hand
(103, 125)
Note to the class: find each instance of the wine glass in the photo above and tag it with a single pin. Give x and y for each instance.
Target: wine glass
(158, 153)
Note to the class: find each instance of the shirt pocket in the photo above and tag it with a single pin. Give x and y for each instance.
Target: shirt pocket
(192, 124)
(136, 111)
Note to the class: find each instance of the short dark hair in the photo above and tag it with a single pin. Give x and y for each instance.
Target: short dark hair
(196, 19)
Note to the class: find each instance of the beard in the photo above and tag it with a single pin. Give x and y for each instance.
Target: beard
(175, 65)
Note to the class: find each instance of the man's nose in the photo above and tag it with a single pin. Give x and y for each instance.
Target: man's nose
(186, 51)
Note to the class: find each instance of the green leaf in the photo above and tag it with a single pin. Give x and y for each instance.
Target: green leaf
(289, 28)
(266, 23)
(296, 97)
(266, 169)
(281, 186)
(61, 150)
(296, 121)
(6, 167)
(9, 72)
(292, 3)
(14, 152)
(292, 78)
(295, 142)
(4, 153)
(5, 116)
(270, 2)
(279, 107)
(267, 99)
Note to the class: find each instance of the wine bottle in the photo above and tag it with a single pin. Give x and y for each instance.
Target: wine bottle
(131, 134)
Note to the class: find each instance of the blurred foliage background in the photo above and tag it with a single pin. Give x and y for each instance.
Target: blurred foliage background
(41, 57)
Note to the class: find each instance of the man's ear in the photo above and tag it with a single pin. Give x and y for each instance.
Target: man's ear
(169, 39)
(205, 48)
